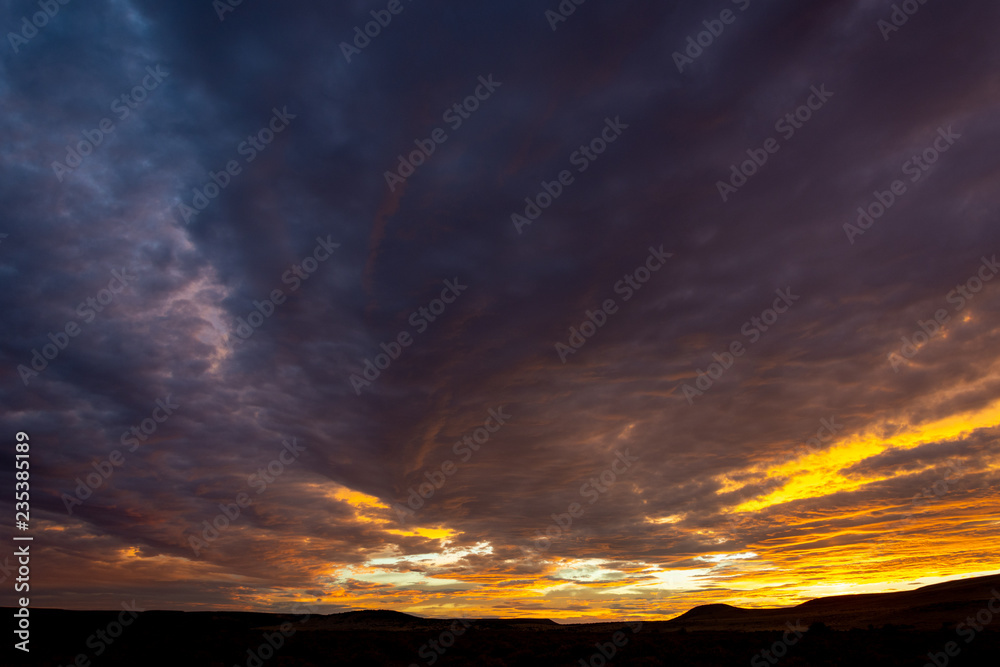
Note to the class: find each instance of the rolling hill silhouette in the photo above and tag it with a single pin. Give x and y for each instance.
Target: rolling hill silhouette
(904, 628)
(926, 608)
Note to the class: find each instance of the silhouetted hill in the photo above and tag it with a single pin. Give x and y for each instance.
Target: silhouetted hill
(377, 615)
(383, 619)
(905, 628)
(928, 607)
(394, 621)
(711, 611)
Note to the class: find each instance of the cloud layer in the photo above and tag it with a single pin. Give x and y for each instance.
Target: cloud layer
(782, 438)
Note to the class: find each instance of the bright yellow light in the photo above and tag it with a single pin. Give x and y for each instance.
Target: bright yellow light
(430, 533)
(816, 475)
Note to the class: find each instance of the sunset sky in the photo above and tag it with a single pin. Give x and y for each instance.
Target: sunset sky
(303, 277)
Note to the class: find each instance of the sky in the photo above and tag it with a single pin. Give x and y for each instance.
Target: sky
(500, 310)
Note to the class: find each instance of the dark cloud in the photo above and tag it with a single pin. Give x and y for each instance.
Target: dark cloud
(329, 517)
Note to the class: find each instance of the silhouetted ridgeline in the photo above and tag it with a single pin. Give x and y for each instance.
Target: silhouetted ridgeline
(885, 629)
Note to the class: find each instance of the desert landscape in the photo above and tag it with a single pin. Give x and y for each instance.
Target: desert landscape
(904, 628)
(527, 332)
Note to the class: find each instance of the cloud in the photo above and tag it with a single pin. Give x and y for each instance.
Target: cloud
(728, 470)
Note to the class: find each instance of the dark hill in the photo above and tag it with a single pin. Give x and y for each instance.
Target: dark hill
(884, 629)
(929, 607)
(713, 611)
(375, 616)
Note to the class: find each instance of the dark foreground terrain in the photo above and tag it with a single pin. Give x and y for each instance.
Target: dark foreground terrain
(915, 628)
